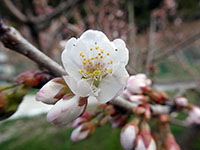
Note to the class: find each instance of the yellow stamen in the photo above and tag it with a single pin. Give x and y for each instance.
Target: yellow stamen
(80, 71)
(97, 47)
(111, 70)
(108, 54)
(101, 57)
(111, 61)
(99, 54)
(81, 53)
(102, 51)
(91, 49)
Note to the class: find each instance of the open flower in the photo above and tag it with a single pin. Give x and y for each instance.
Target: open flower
(95, 65)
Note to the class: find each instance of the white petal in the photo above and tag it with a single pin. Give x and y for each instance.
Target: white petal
(72, 60)
(48, 92)
(78, 87)
(94, 35)
(70, 44)
(84, 89)
(123, 53)
(64, 111)
(72, 83)
(109, 87)
(120, 73)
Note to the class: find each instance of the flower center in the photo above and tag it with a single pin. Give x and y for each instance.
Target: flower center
(96, 67)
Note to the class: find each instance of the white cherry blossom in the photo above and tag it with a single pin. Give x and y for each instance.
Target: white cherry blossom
(95, 65)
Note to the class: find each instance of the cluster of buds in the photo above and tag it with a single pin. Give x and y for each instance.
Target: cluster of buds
(86, 123)
(138, 90)
(137, 136)
(67, 106)
(12, 95)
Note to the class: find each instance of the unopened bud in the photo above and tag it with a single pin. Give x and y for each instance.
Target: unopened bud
(158, 97)
(145, 140)
(118, 120)
(194, 116)
(181, 102)
(138, 84)
(52, 91)
(144, 110)
(65, 111)
(10, 100)
(82, 132)
(164, 118)
(128, 136)
(33, 78)
(83, 118)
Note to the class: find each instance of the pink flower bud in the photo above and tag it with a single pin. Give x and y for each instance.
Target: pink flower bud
(118, 120)
(128, 136)
(82, 132)
(84, 118)
(181, 101)
(140, 144)
(127, 94)
(65, 111)
(138, 83)
(33, 78)
(194, 116)
(52, 91)
(145, 140)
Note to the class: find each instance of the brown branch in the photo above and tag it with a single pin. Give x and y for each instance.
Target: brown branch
(15, 11)
(13, 40)
(177, 47)
(44, 20)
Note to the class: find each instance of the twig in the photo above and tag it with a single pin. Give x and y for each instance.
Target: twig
(177, 47)
(13, 40)
(15, 11)
(43, 21)
(151, 50)
(132, 34)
